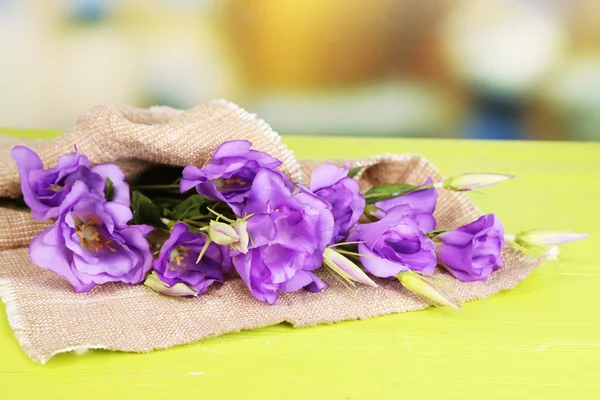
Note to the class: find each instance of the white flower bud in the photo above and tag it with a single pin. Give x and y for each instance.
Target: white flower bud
(465, 182)
(419, 286)
(539, 238)
(241, 228)
(345, 268)
(222, 233)
(179, 289)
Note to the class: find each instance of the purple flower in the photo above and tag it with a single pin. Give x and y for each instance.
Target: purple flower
(421, 202)
(472, 252)
(394, 244)
(91, 243)
(177, 260)
(331, 183)
(229, 175)
(44, 190)
(117, 177)
(289, 235)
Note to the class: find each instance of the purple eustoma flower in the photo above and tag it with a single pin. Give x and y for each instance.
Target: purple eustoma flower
(421, 202)
(229, 175)
(289, 234)
(177, 260)
(117, 177)
(473, 251)
(394, 244)
(331, 183)
(44, 190)
(91, 243)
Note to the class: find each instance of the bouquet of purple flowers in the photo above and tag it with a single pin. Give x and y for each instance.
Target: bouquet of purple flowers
(179, 231)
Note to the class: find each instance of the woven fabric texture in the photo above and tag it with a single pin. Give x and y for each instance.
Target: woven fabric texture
(48, 317)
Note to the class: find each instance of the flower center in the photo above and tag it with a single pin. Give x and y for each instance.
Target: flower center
(90, 236)
(177, 257)
(55, 188)
(230, 184)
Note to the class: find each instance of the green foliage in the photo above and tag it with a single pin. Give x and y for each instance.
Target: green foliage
(353, 171)
(158, 175)
(144, 210)
(384, 192)
(193, 206)
(110, 190)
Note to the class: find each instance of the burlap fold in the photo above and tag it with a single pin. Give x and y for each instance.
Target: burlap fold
(48, 317)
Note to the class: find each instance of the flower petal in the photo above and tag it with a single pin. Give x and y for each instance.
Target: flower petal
(117, 177)
(326, 175)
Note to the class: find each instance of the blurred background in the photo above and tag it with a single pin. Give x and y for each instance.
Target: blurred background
(499, 69)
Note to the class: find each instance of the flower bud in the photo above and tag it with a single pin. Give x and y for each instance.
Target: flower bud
(179, 289)
(419, 286)
(241, 228)
(345, 268)
(169, 223)
(539, 238)
(466, 182)
(373, 212)
(222, 233)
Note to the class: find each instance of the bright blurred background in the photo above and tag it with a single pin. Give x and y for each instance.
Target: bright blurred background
(499, 69)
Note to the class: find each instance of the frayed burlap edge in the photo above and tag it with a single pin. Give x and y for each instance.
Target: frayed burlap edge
(48, 318)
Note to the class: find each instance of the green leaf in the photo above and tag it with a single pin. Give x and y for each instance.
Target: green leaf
(384, 192)
(167, 203)
(191, 207)
(110, 190)
(433, 234)
(144, 210)
(158, 175)
(353, 171)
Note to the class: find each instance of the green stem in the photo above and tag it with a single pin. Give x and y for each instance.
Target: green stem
(199, 217)
(195, 224)
(433, 234)
(220, 215)
(354, 254)
(425, 187)
(185, 212)
(158, 187)
(345, 243)
(204, 248)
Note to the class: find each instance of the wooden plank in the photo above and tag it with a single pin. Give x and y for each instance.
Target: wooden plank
(540, 340)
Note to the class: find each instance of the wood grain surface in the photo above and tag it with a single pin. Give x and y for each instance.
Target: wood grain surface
(538, 341)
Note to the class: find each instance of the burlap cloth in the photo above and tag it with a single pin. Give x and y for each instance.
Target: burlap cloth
(48, 317)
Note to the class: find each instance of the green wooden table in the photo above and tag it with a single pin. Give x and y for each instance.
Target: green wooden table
(538, 341)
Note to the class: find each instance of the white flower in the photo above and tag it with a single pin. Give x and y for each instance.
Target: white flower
(424, 287)
(345, 268)
(540, 238)
(179, 289)
(465, 182)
